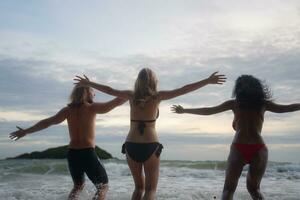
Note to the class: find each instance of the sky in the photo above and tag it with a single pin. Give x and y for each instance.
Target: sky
(44, 44)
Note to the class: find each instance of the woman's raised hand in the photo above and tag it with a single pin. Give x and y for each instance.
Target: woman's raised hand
(177, 109)
(216, 78)
(80, 81)
(17, 134)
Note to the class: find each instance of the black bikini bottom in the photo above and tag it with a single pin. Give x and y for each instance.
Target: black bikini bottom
(140, 152)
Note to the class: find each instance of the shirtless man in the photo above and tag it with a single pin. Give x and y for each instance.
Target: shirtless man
(80, 115)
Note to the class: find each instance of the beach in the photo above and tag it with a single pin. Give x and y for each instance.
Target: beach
(49, 179)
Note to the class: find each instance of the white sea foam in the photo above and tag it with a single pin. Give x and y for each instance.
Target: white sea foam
(49, 179)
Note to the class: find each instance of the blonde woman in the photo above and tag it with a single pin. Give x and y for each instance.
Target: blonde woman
(80, 115)
(142, 146)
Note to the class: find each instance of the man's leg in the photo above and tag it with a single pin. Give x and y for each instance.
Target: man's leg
(97, 174)
(101, 190)
(77, 174)
(74, 194)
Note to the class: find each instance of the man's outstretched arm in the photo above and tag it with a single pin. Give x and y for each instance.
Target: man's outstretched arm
(43, 124)
(101, 108)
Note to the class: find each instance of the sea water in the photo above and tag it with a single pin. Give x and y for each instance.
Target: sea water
(179, 180)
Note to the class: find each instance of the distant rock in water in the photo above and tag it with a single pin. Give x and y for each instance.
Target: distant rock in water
(58, 153)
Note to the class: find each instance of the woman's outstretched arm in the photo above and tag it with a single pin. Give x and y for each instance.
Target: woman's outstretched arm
(227, 105)
(279, 108)
(124, 94)
(212, 79)
(43, 124)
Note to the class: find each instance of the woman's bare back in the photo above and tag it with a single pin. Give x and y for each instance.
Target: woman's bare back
(147, 112)
(248, 125)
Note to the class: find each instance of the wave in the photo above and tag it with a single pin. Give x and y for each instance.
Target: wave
(53, 166)
(215, 165)
(189, 180)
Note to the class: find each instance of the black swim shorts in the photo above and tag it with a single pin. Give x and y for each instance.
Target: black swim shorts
(82, 161)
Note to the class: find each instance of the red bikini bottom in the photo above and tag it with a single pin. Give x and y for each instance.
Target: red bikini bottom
(248, 150)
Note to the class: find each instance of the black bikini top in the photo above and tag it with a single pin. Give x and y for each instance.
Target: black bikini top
(142, 123)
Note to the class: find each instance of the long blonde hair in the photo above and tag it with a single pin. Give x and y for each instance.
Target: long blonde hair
(145, 87)
(79, 96)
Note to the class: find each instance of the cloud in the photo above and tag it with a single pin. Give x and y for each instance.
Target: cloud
(27, 91)
(181, 42)
(20, 116)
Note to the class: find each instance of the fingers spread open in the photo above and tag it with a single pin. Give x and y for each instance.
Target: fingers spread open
(79, 77)
(86, 77)
(214, 73)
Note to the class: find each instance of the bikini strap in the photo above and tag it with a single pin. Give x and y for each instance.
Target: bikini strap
(142, 124)
(123, 149)
(141, 127)
(159, 150)
(157, 115)
(136, 120)
(153, 120)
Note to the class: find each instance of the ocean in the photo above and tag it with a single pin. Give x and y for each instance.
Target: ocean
(179, 180)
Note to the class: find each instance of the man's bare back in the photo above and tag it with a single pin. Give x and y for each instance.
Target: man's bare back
(81, 124)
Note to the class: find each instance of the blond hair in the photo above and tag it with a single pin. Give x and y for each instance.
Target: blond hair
(145, 87)
(79, 96)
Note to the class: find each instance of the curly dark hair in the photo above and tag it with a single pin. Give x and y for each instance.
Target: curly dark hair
(250, 92)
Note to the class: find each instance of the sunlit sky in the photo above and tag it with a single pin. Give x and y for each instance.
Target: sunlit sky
(44, 44)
